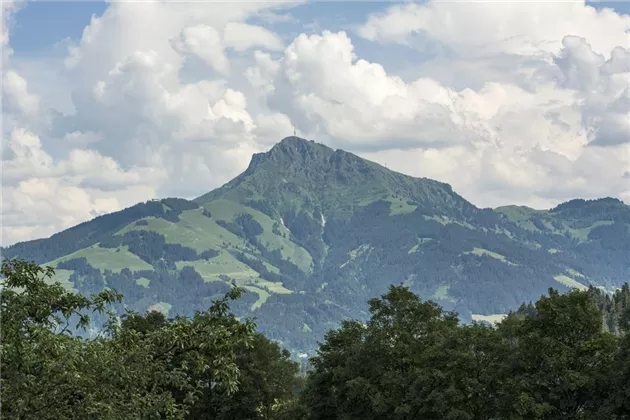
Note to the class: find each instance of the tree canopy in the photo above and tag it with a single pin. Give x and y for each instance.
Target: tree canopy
(566, 356)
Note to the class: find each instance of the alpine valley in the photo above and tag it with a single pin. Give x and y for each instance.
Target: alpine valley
(312, 233)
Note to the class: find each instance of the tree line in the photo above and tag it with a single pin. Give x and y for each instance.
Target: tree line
(566, 356)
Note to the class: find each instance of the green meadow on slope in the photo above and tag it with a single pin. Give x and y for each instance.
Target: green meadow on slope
(312, 233)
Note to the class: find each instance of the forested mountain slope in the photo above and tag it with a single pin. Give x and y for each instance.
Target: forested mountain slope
(313, 233)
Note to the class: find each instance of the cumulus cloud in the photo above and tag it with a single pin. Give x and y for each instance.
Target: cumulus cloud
(513, 102)
(478, 29)
(241, 36)
(38, 207)
(41, 195)
(204, 42)
(533, 143)
(8, 8)
(17, 95)
(603, 86)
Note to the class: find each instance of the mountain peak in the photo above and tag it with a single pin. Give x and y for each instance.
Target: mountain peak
(294, 140)
(297, 146)
(292, 151)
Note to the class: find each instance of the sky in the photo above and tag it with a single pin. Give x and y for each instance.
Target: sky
(106, 104)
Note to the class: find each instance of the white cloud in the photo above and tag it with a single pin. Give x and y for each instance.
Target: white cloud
(485, 28)
(40, 196)
(242, 36)
(39, 207)
(524, 103)
(262, 74)
(81, 139)
(514, 143)
(8, 8)
(204, 42)
(17, 96)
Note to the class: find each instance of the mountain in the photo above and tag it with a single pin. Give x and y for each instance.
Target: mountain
(313, 233)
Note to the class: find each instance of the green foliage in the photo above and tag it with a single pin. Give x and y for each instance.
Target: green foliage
(412, 360)
(553, 360)
(144, 369)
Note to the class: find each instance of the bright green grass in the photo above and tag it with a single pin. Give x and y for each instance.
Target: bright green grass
(263, 295)
(481, 252)
(519, 215)
(224, 263)
(263, 289)
(194, 230)
(582, 234)
(358, 251)
(62, 277)
(444, 220)
(271, 268)
(569, 282)
(553, 251)
(421, 241)
(273, 286)
(399, 206)
(251, 254)
(410, 280)
(225, 210)
(441, 293)
(114, 259)
(143, 281)
(306, 328)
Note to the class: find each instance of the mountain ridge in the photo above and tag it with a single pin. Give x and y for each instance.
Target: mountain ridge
(312, 233)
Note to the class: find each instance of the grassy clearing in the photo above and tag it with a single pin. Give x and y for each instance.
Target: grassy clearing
(161, 307)
(553, 251)
(582, 234)
(263, 295)
(114, 259)
(399, 206)
(143, 281)
(224, 263)
(481, 252)
(421, 241)
(444, 220)
(244, 276)
(569, 282)
(358, 251)
(263, 289)
(194, 230)
(225, 210)
(272, 286)
(271, 268)
(441, 293)
(63, 277)
(519, 215)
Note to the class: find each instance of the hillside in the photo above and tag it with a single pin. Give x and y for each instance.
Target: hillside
(313, 233)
